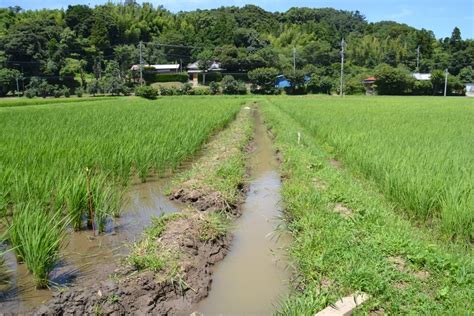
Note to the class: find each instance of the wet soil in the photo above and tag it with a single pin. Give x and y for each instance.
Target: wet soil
(253, 276)
(88, 258)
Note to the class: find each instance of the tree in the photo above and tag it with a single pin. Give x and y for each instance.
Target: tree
(263, 80)
(8, 79)
(232, 86)
(297, 81)
(467, 75)
(112, 82)
(392, 81)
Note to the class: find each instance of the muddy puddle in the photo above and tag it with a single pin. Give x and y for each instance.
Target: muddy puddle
(253, 277)
(88, 258)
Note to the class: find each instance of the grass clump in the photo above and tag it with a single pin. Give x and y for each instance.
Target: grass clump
(159, 224)
(213, 226)
(37, 236)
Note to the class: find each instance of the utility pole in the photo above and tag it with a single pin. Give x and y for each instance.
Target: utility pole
(418, 59)
(343, 44)
(446, 82)
(294, 60)
(17, 87)
(141, 64)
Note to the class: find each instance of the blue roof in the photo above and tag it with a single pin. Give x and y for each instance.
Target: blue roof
(282, 82)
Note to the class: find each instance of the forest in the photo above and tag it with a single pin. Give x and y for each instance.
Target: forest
(82, 48)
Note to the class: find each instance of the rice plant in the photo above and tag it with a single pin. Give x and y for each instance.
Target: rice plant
(38, 236)
(77, 158)
(419, 150)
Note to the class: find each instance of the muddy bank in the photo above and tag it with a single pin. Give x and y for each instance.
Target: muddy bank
(177, 274)
(132, 292)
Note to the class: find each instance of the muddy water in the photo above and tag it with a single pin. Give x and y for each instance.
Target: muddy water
(253, 276)
(88, 258)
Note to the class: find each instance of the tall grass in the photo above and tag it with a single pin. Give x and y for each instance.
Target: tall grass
(419, 150)
(38, 236)
(79, 157)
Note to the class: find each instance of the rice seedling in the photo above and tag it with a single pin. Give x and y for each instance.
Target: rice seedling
(417, 149)
(38, 236)
(405, 268)
(78, 157)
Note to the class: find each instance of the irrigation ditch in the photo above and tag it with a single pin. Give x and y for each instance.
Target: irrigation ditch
(225, 204)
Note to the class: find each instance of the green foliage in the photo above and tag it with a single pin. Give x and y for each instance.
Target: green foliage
(297, 82)
(392, 81)
(263, 80)
(320, 84)
(8, 80)
(466, 75)
(214, 88)
(146, 92)
(170, 77)
(232, 86)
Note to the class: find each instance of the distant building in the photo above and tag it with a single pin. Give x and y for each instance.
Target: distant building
(421, 76)
(165, 68)
(194, 70)
(470, 89)
(369, 85)
(282, 82)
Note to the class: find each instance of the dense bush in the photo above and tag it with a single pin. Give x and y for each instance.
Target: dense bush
(210, 77)
(320, 84)
(79, 92)
(297, 82)
(8, 80)
(422, 87)
(169, 77)
(393, 81)
(263, 80)
(214, 88)
(200, 91)
(232, 86)
(146, 92)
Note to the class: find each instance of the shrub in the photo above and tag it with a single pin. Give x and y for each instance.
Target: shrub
(210, 77)
(297, 82)
(57, 92)
(232, 86)
(393, 81)
(167, 91)
(263, 80)
(172, 77)
(8, 80)
(422, 87)
(79, 92)
(187, 88)
(146, 92)
(30, 93)
(201, 91)
(320, 84)
(214, 88)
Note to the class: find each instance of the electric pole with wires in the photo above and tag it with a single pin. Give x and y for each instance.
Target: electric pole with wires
(141, 63)
(418, 59)
(343, 45)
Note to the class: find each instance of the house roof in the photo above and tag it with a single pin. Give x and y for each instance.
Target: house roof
(158, 67)
(194, 67)
(370, 80)
(421, 76)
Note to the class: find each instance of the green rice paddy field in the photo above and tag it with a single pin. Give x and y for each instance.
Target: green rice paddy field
(378, 192)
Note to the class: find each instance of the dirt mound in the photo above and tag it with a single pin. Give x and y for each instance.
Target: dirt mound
(203, 199)
(133, 292)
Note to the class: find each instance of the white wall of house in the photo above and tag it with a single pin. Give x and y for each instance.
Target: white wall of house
(470, 89)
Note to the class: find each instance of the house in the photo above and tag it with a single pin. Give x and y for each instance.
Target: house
(470, 89)
(421, 76)
(369, 85)
(194, 70)
(164, 68)
(282, 82)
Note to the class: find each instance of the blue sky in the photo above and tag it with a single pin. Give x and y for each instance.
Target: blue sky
(436, 15)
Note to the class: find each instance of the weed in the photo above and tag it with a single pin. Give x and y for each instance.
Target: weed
(213, 226)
